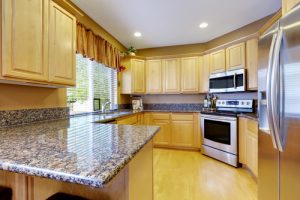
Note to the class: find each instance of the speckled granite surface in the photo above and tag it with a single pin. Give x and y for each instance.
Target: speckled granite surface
(72, 150)
(17, 117)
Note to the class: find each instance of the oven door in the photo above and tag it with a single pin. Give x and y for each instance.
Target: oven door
(231, 81)
(220, 132)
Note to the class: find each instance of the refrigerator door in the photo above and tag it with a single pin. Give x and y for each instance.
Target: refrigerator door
(268, 155)
(289, 106)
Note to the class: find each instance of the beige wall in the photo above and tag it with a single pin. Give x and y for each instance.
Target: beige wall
(173, 98)
(13, 97)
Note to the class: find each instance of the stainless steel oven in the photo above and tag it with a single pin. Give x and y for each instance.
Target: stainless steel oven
(219, 134)
(230, 81)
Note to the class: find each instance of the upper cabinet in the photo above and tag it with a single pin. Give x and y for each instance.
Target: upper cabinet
(153, 76)
(171, 75)
(204, 73)
(287, 5)
(189, 75)
(62, 54)
(25, 39)
(252, 63)
(38, 47)
(217, 61)
(133, 78)
(235, 57)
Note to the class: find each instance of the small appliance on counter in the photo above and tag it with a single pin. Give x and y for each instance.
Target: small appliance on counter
(219, 129)
(137, 104)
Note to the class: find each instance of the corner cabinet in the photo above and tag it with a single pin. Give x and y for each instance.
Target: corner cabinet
(190, 75)
(32, 39)
(217, 61)
(133, 79)
(235, 57)
(62, 49)
(252, 63)
(153, 77)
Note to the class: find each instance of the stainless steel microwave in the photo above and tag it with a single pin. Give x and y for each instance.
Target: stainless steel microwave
(230, 81)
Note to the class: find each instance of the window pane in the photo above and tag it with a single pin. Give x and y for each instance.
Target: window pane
(95, 84)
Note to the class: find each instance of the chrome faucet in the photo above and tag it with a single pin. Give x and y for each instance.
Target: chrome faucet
(104, 105)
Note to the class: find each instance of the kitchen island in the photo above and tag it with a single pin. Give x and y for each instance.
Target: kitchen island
(77, 156)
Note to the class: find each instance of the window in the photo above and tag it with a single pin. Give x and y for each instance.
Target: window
(95, 84)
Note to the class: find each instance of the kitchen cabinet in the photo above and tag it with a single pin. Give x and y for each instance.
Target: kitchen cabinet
(128, 120)
(252, 63)
(62, 46)
(25, 40)
(171, 76)
(248, 143)
(235, 57)
(38, 43)
(153, 77)
(204, 74)
(163, 137)
(287, 5)
(189, 75)
(133, 78)
(217, 61)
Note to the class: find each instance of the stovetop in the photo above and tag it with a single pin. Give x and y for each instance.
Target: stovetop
(221, 113)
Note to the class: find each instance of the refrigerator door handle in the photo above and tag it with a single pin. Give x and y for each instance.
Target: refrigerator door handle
(268, 91)
(275, 91)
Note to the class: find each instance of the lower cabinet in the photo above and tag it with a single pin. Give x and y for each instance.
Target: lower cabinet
(129, 120)
(248, 143)
(177, 130)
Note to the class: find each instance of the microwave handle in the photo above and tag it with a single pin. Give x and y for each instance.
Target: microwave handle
(234, 80)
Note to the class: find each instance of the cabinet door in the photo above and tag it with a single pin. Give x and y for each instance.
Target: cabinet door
(217, 61)
(242, 140)
(171, 75)
(62, 62)
(235, 57)
(204, 74)
(252, 152)
(154, 76)
(189, 75)
(163, 137)
(182, 133)
(287, 5)
(25, 39)
(252, 63)
(138, 76)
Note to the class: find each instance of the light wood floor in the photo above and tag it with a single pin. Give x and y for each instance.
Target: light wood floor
(188, 175)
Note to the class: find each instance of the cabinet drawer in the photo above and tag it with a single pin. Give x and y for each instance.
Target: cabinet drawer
(183, 117)
(131, 120)
(252, 126)
(161, 116)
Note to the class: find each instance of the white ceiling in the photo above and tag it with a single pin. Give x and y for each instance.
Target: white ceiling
(174, 22)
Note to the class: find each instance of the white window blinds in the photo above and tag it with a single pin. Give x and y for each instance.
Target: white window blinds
(95, 84)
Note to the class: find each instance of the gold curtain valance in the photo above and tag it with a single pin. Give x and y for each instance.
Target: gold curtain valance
(96, 48)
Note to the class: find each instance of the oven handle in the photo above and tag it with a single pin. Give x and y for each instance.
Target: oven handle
(219, 118)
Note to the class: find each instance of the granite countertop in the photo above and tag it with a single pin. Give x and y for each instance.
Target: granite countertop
(72, 150)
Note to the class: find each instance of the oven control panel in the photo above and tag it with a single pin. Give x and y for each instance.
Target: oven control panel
(234, 103)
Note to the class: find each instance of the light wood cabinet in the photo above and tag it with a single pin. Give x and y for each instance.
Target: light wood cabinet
(204, 74)
(128, 120)
(235, 57)
(133, 78)
(182, 133)
(62, 46)
(248, 143)
(153, 77)
(25, 39)
(287, 5)
(252, 63)
(163, 137)
(171, 75)
(217, 61)
(189, 75)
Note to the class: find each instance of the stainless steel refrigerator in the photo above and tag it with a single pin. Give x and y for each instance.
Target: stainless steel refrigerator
(279, 110)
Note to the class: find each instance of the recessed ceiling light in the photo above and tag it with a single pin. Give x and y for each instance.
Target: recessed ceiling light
(137, 34)
(203, 25)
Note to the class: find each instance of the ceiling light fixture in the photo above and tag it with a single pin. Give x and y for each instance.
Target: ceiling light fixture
(137, 34)
(203, 25)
